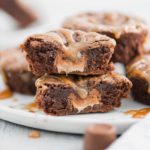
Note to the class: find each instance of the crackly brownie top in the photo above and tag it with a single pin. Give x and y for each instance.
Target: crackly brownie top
(13, 59)
(140, 68)
(72, 41)
(80, 84)
(114, 23)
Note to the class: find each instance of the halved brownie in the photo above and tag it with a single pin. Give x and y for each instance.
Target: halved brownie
(64, 95)
(69, 52)
(129, 32)
(15, 72)
(138, 72)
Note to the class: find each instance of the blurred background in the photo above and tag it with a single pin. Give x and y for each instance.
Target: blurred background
(51, 13)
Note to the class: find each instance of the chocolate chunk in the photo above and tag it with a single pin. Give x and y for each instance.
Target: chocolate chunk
(129, 32)
(69, 52)
(21, 13)
(99, 136)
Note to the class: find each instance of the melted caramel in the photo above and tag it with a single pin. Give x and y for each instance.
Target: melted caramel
(138, 113)
(7, 93)
(82, 92)
(31, 107)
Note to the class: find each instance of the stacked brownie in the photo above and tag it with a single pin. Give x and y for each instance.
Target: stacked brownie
(129, 32)
(75, 72)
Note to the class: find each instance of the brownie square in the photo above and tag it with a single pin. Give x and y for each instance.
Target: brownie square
(138, 72)
(66, 95)
(69, 52)
(15, 72)
(129, 32)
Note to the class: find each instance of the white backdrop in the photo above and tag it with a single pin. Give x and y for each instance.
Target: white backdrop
(52, 12)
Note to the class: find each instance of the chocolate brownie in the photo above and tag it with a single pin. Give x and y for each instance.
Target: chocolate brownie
(130, 33)
(69, 52)
(21, 13)
(15, 72)
(65, 95)
(138, 72)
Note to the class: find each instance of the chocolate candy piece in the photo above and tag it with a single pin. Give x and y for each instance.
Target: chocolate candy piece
(99, 136)
(23, 15)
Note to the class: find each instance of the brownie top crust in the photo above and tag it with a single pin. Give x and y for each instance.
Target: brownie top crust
(113, 23)
(140, 68)
(13, 59)
(71, 41)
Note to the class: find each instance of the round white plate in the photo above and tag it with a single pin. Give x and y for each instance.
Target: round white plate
(14, 110)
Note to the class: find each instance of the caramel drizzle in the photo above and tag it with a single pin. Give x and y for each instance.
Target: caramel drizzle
(31, 107)
(72, 46)
(7, 93)
(138, 113)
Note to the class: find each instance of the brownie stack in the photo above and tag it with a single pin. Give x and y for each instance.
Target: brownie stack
(75, 72)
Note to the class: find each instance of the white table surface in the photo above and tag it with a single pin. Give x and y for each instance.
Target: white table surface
(15, 137)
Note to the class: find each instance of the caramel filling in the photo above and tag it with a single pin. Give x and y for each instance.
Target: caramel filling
(82, 92)
(92, 99)
(68, 66)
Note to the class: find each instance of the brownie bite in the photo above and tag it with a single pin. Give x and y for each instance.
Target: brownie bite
(69, 52)
(138, 72)
(14, 69)
(66, 95)
(130, 33)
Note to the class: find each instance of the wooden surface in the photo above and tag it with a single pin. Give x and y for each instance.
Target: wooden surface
(15, 137)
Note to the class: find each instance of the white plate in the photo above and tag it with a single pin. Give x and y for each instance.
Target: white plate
(13, 110)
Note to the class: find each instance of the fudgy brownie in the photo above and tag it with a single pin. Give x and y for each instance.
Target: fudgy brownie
(21, 13)
(63, 95)
(15, 72)
(69, 52)
(130, 33)
(138, 72)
